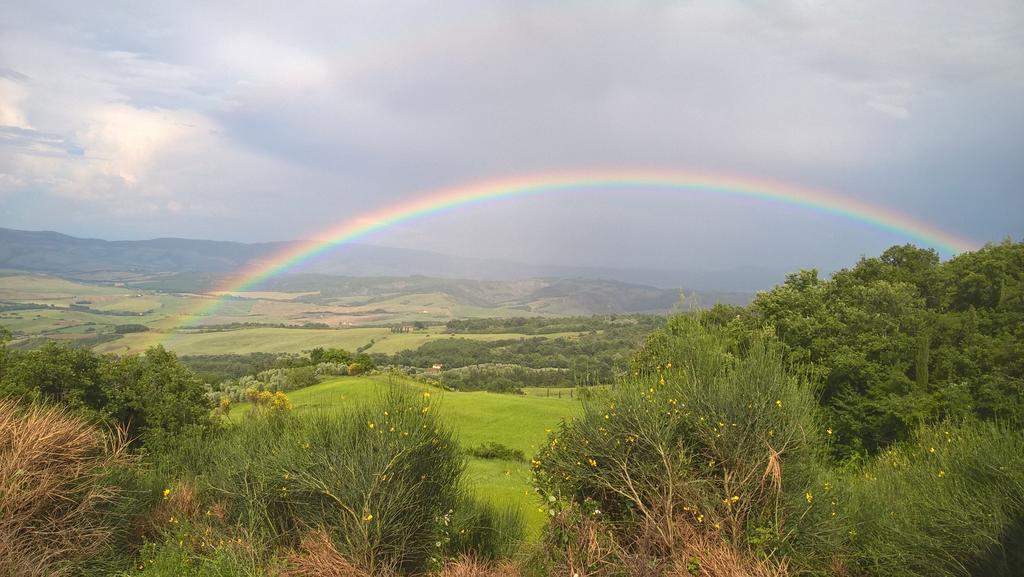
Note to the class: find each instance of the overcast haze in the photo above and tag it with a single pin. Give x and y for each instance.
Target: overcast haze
(259, 122)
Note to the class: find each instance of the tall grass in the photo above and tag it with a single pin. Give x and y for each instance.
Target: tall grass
(483, 530)
(56, 490)
(942, 504)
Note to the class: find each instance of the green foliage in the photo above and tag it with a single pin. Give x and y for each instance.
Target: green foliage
(504, 378)
(149, 395)
(697, 432)
(949, 502)
(595, 357)
(496, 451)
(217, 368)
(271, 380)
(193, 550)
(544, 325)
(155, 396)
(319, 355)
(378, 477)
(903, 339)
(481, 529)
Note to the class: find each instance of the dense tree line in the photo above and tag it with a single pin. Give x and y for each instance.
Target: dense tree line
(545, 325)
(499, 378)
(901, 339)
(591, 358)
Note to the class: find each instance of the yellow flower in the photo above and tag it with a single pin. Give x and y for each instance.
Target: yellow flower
(809, 497)
(370, 424)
(367, 518)
(942, 473)
(829, 431)
(778, 402)
(592, 462)
(167, 493)
(931, 449)
(426, 395)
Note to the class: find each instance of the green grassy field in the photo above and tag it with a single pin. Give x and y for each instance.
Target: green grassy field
(520, 422)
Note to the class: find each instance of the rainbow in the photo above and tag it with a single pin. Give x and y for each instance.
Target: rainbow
(461, 196)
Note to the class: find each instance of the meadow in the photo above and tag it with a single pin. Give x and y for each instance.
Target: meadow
(516, 421)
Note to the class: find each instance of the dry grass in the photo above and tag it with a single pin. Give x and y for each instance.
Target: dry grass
(52, 489)
(708, 555)
(471, 567)
(180, 503)
(586, 547)
(318, 557)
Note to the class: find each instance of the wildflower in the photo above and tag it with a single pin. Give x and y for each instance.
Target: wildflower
(778, 403)
(167, 493)
(829, 431)
(426, 394)
(592, 462)
(942, 473)
(931, 449)
(700, 518)
(370, 424)
(809, 497)
(367, 518)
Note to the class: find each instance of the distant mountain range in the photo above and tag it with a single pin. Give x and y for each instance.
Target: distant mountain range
(60, 254)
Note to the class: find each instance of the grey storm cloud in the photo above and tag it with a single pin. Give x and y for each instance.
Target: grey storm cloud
(262, 121)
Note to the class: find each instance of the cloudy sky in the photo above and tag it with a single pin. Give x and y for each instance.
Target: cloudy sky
(258, 121)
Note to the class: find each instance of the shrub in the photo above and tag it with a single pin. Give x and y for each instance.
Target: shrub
(701, 436)
(496, 451)
(377, 478)
(56, 490)
(331, 370)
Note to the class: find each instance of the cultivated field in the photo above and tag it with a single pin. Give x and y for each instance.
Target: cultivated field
(38, 307)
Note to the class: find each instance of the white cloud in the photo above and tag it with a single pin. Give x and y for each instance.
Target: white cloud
(305, 114)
